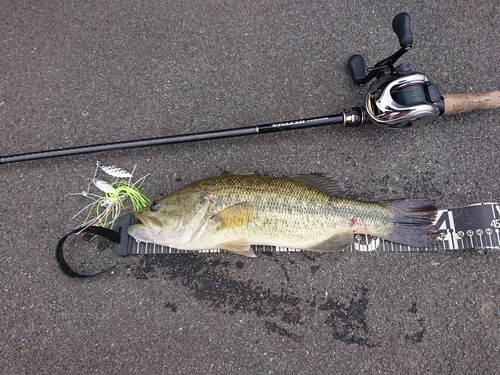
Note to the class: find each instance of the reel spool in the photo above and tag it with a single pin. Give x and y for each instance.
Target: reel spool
(402, 100)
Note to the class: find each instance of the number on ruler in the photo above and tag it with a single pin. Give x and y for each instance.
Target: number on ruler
(495, 223)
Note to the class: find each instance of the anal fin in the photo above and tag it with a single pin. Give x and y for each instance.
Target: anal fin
(337, 242)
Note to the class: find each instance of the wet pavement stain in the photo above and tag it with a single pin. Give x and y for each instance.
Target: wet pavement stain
(281, 309)
(417, 336)
(172, 306)
(348, 319)
(275, 328)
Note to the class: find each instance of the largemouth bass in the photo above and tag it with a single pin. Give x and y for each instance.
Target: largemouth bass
(303, 211)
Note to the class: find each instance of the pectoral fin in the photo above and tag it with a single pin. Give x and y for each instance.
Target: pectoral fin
(235, 216)
(240, 247)
(336, 242)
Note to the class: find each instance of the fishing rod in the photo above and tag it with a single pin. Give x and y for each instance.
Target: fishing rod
(398, 98)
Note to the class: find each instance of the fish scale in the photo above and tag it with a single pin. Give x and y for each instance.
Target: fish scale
(277, 215)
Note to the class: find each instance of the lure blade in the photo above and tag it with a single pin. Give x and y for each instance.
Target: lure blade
(115, 171)
(104, 186)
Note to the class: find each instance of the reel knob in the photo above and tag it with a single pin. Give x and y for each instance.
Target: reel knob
(401, 27)
(357, 66)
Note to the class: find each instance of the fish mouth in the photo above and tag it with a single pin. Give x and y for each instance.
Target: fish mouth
(140, 232)
(148, 231)
(153, 225)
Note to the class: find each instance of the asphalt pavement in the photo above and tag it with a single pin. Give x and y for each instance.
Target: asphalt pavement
(77, 73)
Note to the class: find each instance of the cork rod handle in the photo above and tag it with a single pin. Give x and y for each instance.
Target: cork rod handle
(457, 103)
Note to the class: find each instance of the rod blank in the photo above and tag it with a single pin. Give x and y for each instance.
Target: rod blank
(149, 142)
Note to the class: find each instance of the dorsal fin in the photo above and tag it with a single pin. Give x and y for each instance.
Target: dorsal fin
(321, 182)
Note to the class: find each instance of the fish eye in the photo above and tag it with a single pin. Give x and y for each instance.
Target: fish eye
(155, 206)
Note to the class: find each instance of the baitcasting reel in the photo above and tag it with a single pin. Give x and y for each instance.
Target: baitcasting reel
(399, 97)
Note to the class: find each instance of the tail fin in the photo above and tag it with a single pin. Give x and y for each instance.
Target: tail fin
(412, 222)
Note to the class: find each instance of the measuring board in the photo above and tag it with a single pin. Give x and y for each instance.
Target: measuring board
(476, 226)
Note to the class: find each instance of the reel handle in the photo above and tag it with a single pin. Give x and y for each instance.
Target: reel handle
(385, 67)
(457, 103)
(401, 26)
